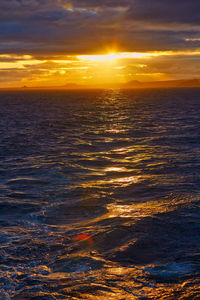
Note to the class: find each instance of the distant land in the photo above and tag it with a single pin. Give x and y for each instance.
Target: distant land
(134, 84)
(162, 84)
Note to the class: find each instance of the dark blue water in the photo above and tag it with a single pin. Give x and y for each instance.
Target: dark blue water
(99, 194)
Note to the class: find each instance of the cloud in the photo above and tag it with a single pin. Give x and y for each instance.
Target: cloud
(49, 27)
(168, 11)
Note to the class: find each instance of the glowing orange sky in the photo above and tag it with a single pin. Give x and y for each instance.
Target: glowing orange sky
(97, 69)
(97, 43)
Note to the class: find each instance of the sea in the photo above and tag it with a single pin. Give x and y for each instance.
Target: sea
(100, 194)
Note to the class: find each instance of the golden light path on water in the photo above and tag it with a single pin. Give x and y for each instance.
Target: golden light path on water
(113, 213)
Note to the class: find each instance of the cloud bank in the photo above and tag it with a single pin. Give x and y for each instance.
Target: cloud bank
(41, 27)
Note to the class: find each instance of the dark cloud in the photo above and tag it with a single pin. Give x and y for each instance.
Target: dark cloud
(167, 11)
(86, 26)
(98, 4)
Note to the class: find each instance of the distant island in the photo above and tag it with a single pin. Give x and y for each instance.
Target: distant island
(134, 84)
(162, 84)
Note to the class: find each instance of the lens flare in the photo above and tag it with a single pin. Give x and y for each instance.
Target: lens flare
(84, 238)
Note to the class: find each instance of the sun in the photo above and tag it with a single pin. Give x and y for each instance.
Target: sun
(100, 58)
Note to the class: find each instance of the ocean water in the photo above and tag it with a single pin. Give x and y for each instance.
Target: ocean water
(99, 194)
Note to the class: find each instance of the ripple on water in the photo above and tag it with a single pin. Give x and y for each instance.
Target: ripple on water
(100, 194)
(26, 183)
(67, 214)
(172, 272)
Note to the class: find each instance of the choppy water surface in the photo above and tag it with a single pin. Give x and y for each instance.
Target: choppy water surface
(100, 194)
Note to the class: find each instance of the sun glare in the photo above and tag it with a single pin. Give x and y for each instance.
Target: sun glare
(115, 56)
(105, 57)
(133, 55)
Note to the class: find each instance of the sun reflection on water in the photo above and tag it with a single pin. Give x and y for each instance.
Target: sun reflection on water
(121, 181)
(115, 169)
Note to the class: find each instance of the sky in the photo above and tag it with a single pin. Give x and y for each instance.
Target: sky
(98, 42)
